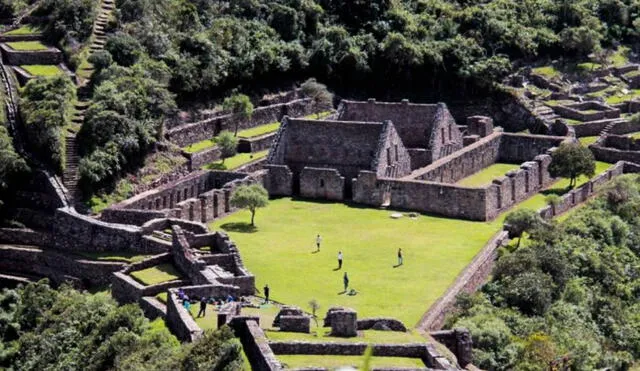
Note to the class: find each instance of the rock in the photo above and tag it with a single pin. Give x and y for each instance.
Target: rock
(380, 326)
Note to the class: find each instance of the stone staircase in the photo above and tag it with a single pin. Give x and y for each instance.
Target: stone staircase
(545, 113)
(70, 175)
(98, 40)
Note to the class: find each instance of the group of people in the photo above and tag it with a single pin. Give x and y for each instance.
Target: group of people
(340, 256)
(217, 301)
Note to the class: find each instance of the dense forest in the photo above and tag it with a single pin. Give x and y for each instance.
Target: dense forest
(169, 54)
(46, 329)
(570, 294)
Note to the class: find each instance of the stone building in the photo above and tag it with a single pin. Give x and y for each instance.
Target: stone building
(319, 158)
(427, 130)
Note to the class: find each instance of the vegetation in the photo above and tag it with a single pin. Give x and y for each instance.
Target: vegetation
(570, 160)
(522, 220)
(157, 274)
(27, 45)
(228, 144)
(125, 257)
(24, 30)
(240, 107)
(236, 161)
(46, 329)
(46, 105)
(568, 293)
(12, 166)
(250, 197)
(42, 70)
(486, 175)
(335, 362)
(259, 130)
(319, 94)
(200, 146)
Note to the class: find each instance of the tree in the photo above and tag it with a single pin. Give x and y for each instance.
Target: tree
(228, 144)
(240, 107)
(250, 197)
(571, 160)
(319, 94)
(520, 221)
(553, 200)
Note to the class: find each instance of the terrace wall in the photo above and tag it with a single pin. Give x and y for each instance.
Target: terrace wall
(593, 128)
(199, 159)
(613, 155)
(622, 142)
(256, 144)
(195, 132)
(321, 183)
(518, 148)
(576, 111)
(22, 57)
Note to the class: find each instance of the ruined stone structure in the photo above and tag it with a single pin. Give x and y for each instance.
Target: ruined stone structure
(201, 196)
(318, 159)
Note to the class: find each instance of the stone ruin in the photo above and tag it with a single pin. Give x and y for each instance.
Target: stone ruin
(292, 319)
(343, 322)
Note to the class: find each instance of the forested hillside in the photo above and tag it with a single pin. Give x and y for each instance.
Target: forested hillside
(569, 295)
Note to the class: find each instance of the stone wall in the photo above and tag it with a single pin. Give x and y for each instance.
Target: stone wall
(390, 323)
(198, 159)
(279, 180)
(179, 321)
(321, 183)
(518, 148)
(587, 111)
(131, 216)
(613, 155)
(392, 159)
(24, 236)
(255, 344)
(184, 135)
(593, 128)
(625, 127)
(256, 144)
(458, 341)
(445, 138)
(461, 164)
(22, 57)
(622, 142)
(469, 280)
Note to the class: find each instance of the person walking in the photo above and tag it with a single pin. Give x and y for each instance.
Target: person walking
(345, 280)
(203, 307)
(400, 257)
(266, 293)
(339, 260)
(318, 242)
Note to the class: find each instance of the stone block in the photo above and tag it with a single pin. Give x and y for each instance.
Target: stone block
(295, 323)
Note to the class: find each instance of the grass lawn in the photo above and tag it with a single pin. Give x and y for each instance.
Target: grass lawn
(259, 130)
(320, 334)
(546, 71)
(27, 45)
(619, 98)
(24, 30)
(158, 274)
(486, 175)
(635, 135)
(436, 250)
(42, 69)
(585, 141)
(620, 57)
(162, 297)
(200, 146)
(332, 362)
(236, 161)
(125, 257)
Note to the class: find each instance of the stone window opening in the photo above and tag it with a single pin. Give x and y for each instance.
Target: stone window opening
(396, 150)
(388, 156)
(442, 135)
(449, 132)
(321, 183)
(185, 193)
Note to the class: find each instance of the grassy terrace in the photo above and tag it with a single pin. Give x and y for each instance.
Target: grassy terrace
(332, 362)
(435, 249)
(585, 141)
(487, 175)
(546, 71)
(236, 161)
(24, 30)
(27, 45)
(619, 98)
(320, 334)
(42, 69)
(158, 274)
(259, 130)
(635, 135)
(200, 146)
(124, 257)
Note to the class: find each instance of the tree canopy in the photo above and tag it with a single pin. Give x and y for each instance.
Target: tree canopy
(570, 160)
(228, 144)
(250, 197)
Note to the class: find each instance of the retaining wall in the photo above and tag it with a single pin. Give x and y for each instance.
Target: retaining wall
(22, 57)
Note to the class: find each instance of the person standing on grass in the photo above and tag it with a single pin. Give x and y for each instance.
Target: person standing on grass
(318, 241)
(203, 307)
(339, 260)
(399, 257)
(266, 293)
(345, 280)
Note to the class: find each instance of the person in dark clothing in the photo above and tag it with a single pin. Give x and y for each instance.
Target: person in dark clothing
(203, 307)
(345, 280)
(266, 293)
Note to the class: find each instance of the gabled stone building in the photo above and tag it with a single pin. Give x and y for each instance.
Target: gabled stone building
(319, 158)
(428, 131)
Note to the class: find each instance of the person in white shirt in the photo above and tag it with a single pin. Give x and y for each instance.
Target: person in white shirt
(339, 260)
(318, 241)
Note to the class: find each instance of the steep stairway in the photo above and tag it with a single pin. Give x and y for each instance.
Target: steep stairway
(98, 40)
(545, 113)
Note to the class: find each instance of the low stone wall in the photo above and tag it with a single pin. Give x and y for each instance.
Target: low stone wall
(21, 236)
(593, 128)
(152, 308)
(22, 57)
(624, 127)
(613, 155)
(622, 142)
(256, 144)
(12, 38)
(255, 344)
(579, 111)
(458, 341)
(179, 321)
(132, 217)
(391, 323)
(198, 159)
(469, 280)
(184, 135)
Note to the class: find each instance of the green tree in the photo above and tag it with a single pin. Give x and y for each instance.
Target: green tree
(240, 107)
(520, 221)
(228, 144)
(570, 160)
(250, 197)
(319, 94)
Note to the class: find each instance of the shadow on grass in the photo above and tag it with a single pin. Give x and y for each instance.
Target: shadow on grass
(556, 191)
(215, 166)
(241, 227)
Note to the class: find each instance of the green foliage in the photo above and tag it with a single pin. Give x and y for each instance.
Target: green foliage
(67, 19)
(522, 220)
(46, 105)
(228, 144)
(240, 106)
(46, 329)
(570, 160)
(318, 93)
(124, 49)
(250, 197)
(573, 294)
